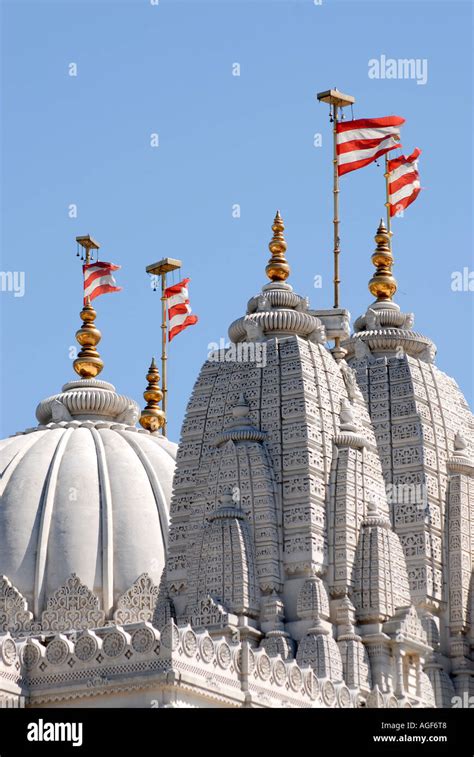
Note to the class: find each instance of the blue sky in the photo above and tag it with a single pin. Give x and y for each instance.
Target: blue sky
(223, 140)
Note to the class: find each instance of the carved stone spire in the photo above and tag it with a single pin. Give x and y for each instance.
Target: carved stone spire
(384, 329)
(227, 569)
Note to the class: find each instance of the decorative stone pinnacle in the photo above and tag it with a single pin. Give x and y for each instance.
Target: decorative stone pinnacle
(347, 417)
(461, 459)
(152, 417)
(382, 285)
(372, 508)
(228, 507)
(460, 445)
(226, 498)
(277, 268)
(241, 408)
(88, 363)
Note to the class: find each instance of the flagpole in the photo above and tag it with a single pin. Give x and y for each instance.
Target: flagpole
(337, 100)
(335, 190)
(164, 357)
(161, 268)
(387, 202)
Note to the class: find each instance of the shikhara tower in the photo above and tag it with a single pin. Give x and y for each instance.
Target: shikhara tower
(321, 532)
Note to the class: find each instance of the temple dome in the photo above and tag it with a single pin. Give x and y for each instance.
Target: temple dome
(84, 493)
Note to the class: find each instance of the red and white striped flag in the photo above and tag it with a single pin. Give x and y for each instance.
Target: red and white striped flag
(403, 181)
(362, 141)
(179, 309)
(98, 279)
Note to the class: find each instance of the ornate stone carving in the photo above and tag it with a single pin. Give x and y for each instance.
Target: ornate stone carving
(372, 320)
(143, 640)
(278, 643)
(72, 606)
(31, 654)
(8, 651)
(428, 354)
(164, 612)
(288, 512)
(319, 650)
(137, 603)
(318, 336)
(87, 645)
(227, 568)
(206, 647)
(350, 380)
(263, 303)
(314, 500)
(380, 574)
(427, 690)
(408, 322)
(313, 600)
(253, 331)
(189, 642)
(347, 417)
(328, 693)
(14, 614)
(114, 643)
(59, 412)
(170, 636)
(265, 322)
(224, 657)
(264, 667)
(406, 626)
(355, 662)
(58, 650)
(344, 697)
(86, 397)
(279, 672)
(207, 612)
(295, 677)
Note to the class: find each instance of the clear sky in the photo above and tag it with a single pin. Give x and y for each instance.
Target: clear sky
(167, 69)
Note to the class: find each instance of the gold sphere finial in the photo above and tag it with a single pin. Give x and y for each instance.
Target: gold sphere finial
(152, 417)
(382, 285)
(88, 363)
(277, 268)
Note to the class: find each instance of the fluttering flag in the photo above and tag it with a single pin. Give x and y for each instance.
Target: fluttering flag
(98, 279)
(403, 181)
(362, 141)
(179, 310)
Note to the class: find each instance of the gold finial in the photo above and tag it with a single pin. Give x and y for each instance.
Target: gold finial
(88, 363)
(152, 417)
(277, 268)
(383, 285)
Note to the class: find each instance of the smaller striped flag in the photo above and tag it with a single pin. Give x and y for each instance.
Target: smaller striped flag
(363, 140)
(403, 181)
(98, 279)
(179, 309)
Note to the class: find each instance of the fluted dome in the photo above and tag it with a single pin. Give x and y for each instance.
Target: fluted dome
(85, 495)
